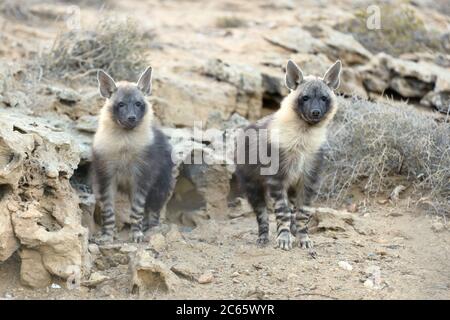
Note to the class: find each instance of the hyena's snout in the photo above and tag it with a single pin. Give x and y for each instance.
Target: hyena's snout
(316, 114)
(132, 119)
(315, 109)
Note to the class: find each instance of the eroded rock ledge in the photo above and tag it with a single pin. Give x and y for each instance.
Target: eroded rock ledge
(39, 209)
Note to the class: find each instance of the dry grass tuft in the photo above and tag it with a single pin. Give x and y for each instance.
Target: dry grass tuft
(16, 9)
(90, 3)
(230, 22)
(114, 46)
(371, 144)
(402, 31)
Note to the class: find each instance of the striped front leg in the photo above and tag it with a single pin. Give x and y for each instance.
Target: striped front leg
(137, 216)
(305, 192)
(105, 189)
(282, 212)
(106, 199)
(256, 198)
(302, 218)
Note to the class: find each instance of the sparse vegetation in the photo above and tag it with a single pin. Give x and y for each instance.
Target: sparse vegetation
(402, 31)
(15, 9)
(91, 3)
(372, 143)
(114, 46)
(230, 22)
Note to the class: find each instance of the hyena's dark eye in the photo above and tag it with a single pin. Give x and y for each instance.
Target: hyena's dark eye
(139, 104)
(324, 98)
(121, 105)
(305, 98)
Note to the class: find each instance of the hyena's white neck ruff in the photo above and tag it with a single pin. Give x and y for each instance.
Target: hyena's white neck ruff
(117, 143)
(292, 133)
(298, 141)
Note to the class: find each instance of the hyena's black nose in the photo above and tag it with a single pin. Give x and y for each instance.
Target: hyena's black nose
(132, 118)
(316, 113)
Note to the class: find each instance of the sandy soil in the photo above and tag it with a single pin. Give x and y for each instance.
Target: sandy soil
(412, 257)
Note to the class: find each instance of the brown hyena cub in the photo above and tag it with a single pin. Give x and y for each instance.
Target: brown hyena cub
(130, 155)
(294, 135)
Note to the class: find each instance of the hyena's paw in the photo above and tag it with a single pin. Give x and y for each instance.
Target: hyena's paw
(304, 241)
(263, 240)
(103, 238)
(136, 236)
(284, 240)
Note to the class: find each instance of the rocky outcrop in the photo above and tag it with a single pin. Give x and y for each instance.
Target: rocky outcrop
(203, 171)
(218, 87)
(334, 44)
(149, 274)
(297, 40)
(37, 161)
(410, 79)
(344, 47)
(10, 95)
(419, 77)
(32, 270)
(245, 79)
(8, 242)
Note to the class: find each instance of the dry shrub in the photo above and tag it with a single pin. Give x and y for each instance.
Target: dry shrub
(230, 22)
(371, 144)
(16, 9)
(90, 3)
(402, 31)
(115, 46)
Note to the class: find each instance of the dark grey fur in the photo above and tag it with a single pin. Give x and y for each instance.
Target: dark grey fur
(145, 176)
(314, 99)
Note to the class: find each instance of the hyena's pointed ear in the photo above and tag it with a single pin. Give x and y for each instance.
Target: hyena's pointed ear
(331, 77)
(145, 81)
(106, 84)
(294, 75)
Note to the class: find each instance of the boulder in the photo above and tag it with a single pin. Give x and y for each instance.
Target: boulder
(87, 123)
(114, 254)
(351, 83)
(185, 271)
(202, 170)
(37, 162)
(439, 98)
(8, 241)
(182, 100)
(69, 103)
(296, 39)
(32, 270)
(245, 79)
(327, 219)
(11, 94)
(344, 47)
(409, 87)
(64, 95)
(95, 279)
(158, 242)
(273, 84)
(149, 274)
(375, 75)
(410, 79)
